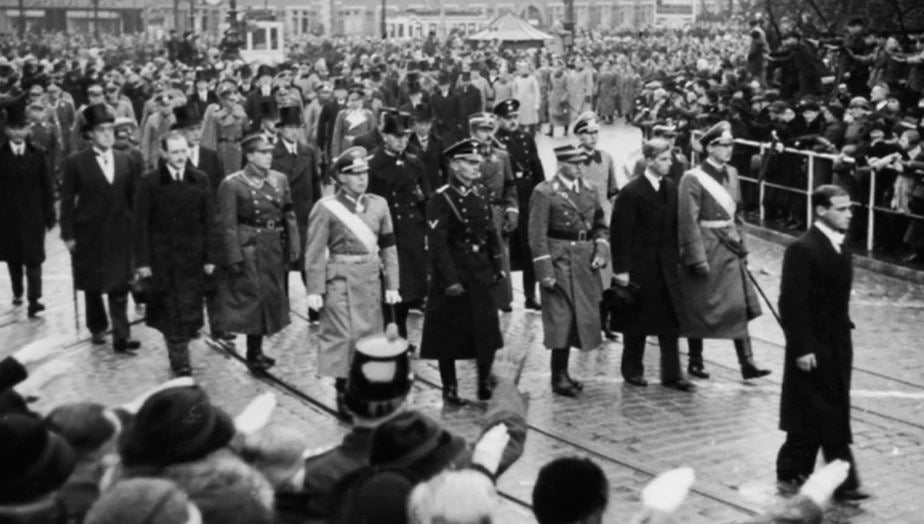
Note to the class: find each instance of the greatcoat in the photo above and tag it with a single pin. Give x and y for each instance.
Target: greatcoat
(465, 249)
(27, 204)
(570, 313)
(257, 228)
(97, 214)
(174, 232)
(527, 174)
(349, 273)
(720, 304)
(815, 314)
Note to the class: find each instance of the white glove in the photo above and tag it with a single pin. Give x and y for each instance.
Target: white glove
(821, 485)
(663, 495)
(315, 302)
(256, 414)
(392, 296)
(490, 448)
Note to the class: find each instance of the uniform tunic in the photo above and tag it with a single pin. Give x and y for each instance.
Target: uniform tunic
(257, 228)
(401, 181)
(342, 269)
(222, 130)
(570, 313)
(499, 188)
(527, 173)
(721, 304)
(464, 249)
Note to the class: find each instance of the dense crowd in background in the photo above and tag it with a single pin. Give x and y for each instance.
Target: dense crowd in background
(174, 457)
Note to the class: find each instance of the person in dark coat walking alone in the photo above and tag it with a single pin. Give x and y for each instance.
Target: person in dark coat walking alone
(27, 208)
(174, 242)
(815, 312)
(466, 255)
(97, 195)
(643, 243)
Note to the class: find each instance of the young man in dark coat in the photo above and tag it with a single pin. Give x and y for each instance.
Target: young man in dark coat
(174, 243)
(427, 146)
(400, 179)
(466, 255)
(643, 243)
(445, 105)
(527, 174)
(97, 195)
(27, 208)
(815, 312)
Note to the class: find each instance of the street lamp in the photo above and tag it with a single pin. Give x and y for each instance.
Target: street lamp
(384, 24)
(569, 25)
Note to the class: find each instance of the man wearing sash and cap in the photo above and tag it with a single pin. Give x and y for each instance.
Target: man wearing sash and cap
(259, 236)
(568, 239)
(399, 178)
(527, 173)
(466, 255)
(355, 231)
(718, 296)
(500, 190)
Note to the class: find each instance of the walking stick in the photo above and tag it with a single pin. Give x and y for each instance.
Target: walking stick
(74, 293)
(767, 300)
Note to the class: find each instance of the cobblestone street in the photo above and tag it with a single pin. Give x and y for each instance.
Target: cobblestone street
(726, 430)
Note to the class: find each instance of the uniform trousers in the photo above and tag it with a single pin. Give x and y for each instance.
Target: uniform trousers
(177, 352)
(97, 321)
(634, 351)
(796, 459)
(33, 280)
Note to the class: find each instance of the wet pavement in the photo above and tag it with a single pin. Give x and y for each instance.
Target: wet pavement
(726, 430)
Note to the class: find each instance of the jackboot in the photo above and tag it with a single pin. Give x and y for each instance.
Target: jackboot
(695, 366)
(561, 383)
(749, 369)
(450, 384)
(485, 381)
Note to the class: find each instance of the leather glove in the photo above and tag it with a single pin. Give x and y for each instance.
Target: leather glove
(236, 268)
(701, 269)
(455, 290)
(392, 296)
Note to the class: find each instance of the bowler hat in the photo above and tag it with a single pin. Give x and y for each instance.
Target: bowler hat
(16, 114)
(415, 442)
(95, 115)
(35, 461)
(422, 113)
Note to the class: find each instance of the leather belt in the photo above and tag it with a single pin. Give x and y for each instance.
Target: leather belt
(579, 236)
(716, 224)
(267, 224)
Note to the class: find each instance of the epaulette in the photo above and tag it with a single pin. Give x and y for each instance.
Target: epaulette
(443, 188)
(314, 453)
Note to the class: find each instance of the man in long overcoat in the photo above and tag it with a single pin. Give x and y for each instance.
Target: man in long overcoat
(399, 178)
(351, 245)
(527, 174)
(259, 238)
(718, 296)
(815, 313)
(461, 320)
(174, 245)
(27, 207)
(97, 194)
(501, 191)
(643, 240)
(427, 146)
(568, 239)
(301, 165)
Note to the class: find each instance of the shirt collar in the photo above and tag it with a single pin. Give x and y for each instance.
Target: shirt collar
(836, 237)
(292, 147)
(99, 152)
(571, 185)
(655, 181)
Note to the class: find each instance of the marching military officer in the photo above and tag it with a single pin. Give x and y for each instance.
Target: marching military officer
(527, 174)
(600, 172)
(350, 239)
(466, 255)
(97, 195)
(259, 237)
(399, 178)
(719, 298)
(568, 241)
(173, 246)
(300, 164)
(500, 189)
(27, 207)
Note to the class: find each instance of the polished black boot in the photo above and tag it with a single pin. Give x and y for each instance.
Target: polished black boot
(695, 366)
(749, 369)
(450, 385)
(485, 381)
(256, 360)
(562, 384)
(605, 323)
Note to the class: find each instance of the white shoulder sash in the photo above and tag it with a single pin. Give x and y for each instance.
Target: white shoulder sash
(717, 190)
(355, 224)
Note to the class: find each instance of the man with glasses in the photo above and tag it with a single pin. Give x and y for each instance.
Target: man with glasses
(718, 296)
(96, 219)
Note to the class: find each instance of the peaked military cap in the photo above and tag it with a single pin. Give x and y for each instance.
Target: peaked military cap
(570, 154)
(256, 142)
(717, 134)
(507, 108)
(481, 120)
(586, 124)
(352, 161)
(468, 149)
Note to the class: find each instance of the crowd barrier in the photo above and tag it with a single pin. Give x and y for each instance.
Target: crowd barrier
(866, 194)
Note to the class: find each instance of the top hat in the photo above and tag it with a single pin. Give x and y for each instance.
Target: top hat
(16, 114)
(395, 123)
(186, 116)
(290, 116)
(95, 115)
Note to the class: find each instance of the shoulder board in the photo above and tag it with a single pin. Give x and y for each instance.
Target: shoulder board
(314, 453)
(443, 188)
(236, 174)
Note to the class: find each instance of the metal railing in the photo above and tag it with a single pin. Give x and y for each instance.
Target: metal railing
(870, 204)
